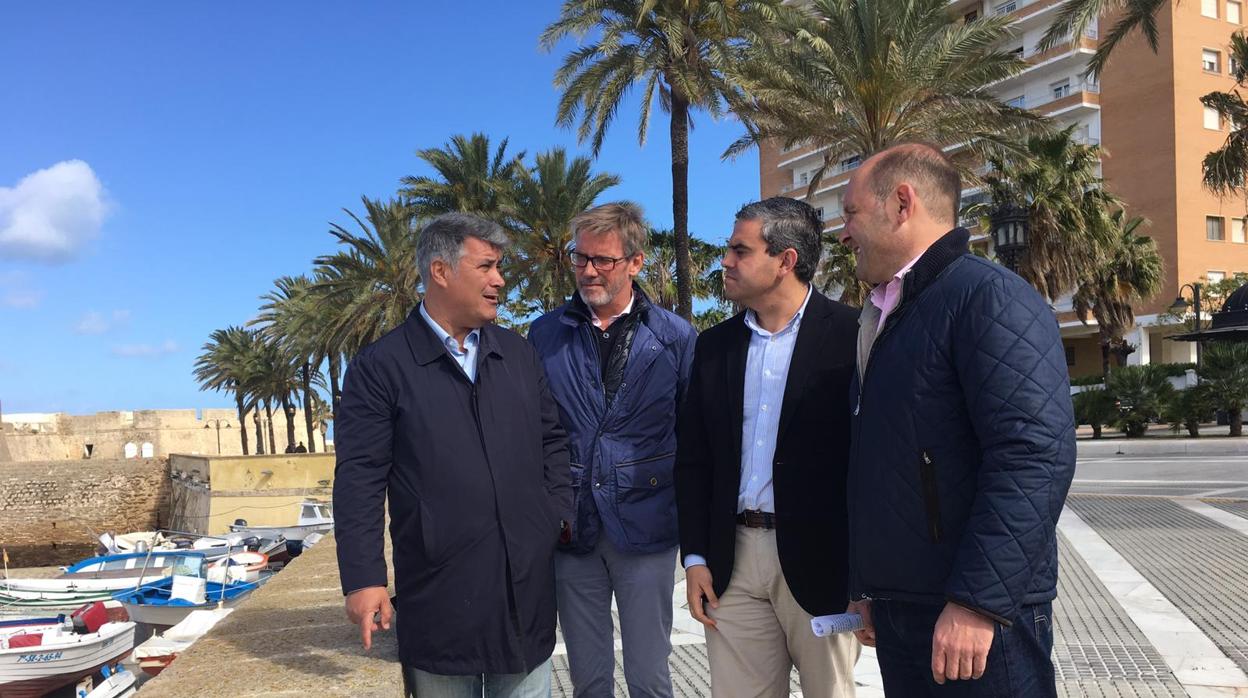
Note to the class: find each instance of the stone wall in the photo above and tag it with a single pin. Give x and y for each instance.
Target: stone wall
(59, 436)
(51, 512)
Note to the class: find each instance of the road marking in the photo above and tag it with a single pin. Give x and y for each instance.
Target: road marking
(1193, 658)
(1221, 516)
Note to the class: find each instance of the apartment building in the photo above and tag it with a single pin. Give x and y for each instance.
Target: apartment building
(1145, 112)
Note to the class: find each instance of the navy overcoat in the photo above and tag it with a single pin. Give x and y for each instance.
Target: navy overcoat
(477, 479)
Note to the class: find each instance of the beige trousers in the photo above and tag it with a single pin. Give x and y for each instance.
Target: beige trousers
(762, 633)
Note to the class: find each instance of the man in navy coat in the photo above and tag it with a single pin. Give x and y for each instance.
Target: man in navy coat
(449, 418)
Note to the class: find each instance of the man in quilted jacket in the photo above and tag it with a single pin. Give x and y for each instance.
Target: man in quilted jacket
(963, 444)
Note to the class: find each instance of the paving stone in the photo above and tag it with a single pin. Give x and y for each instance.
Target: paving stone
(1198, 564)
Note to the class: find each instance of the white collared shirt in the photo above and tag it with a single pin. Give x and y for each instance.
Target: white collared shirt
(466, 357)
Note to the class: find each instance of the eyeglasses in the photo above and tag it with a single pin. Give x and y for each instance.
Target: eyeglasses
(600, 263)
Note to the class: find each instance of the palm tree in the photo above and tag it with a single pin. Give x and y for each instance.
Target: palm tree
(1078, 15)
(837, 273)
(1225, 370)
(541, 206)
(681, 49)
(658, 275)
(853, 77)
(1069, 209)
(1142, 393)
(1224, 168)
(369, 287)
(1132, 272)
(223, 366)
(290, 319)
(470, 178)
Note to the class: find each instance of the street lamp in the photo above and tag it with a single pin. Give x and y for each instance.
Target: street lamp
(1180, 306)
(217, 423)
(1010, 233)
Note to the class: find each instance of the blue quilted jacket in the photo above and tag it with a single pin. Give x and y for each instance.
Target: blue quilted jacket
(963, 441)
(622, 451)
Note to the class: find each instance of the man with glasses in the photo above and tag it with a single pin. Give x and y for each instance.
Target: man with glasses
(618, 366)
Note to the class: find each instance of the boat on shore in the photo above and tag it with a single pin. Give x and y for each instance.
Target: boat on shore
(314, 517)
(159, 651)
(95, 579)
(41, 655)
(169, 601)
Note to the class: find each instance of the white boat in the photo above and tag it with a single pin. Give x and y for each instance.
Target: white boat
(314, 517)
(118, 683)
(212, 547)
(39, 656)
(158, 651)
(104, 574)
(169, 601)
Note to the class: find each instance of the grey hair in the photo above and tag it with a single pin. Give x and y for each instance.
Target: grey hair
(443, 238)
(789, 223)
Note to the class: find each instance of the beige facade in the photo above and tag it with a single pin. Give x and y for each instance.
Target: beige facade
(210, 492)
(1145, 112)
(138, 434)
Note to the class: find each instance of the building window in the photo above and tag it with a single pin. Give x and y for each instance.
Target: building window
(1004, 8)
(1070, 356)
(850, 163)
(1211, 61)
(1237, 230)
(1017, 53)
(803, 179)
(1213, 121)
(819, 212)
(1213, 228)
(1215, 276)
(970, 16)
(1209, 8)
(1017, 102)
(1232, 11)
(1060, 89)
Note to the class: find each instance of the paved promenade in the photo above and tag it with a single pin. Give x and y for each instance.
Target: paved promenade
(1153, 601)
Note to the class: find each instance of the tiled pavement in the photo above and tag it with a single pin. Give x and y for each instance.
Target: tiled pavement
(1196, 562)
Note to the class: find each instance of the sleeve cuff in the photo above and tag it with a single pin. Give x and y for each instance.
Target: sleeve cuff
(691, 560)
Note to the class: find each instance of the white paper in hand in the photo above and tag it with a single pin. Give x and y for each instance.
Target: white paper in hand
(824, 626)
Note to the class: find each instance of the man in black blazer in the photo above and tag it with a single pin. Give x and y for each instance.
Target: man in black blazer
(763, 444)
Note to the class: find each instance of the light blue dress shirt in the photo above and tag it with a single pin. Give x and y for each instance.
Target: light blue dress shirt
(466, 357)
(766, 372)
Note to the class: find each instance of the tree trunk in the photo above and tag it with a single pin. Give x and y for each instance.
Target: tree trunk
(1105, 359)
(242, 420)
(288, 409)
(259, 430)
(307, 406)
(268, 415)
(1237, 420)
(1193, 428)
(1096, 431)
(680, 201)
(334, 393)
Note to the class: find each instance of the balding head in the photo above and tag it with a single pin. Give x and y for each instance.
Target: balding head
(924, 167)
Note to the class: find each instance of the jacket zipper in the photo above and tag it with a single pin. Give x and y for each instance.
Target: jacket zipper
(931, 495)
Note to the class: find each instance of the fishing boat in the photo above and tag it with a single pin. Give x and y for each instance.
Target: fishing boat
(212, 547)
(169, 601)
(95, 579)
(314, 517)
(159, 651)
(41, 655)
(115, 682)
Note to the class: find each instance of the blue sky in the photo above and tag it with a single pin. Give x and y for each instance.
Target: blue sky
(163, 162)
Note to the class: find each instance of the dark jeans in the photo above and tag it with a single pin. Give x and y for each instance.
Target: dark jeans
(1019, 663)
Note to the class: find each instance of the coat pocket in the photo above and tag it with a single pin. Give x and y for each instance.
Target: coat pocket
(646, 500)
(931, 495)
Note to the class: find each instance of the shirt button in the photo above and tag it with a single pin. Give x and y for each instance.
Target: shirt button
(597, 484)
(763, 408)
(758, 443)
(753, 479)
(606, 335)
(767, 373)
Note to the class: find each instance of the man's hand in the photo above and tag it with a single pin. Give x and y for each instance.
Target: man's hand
(960, 644)
(697, 587)
(363, 607)
(863, 608)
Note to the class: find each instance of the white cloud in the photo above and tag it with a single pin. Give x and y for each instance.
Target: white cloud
(141, 351)
(51, 213)
(21, 299)
(96, 323)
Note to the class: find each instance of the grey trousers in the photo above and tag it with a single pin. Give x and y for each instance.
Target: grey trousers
(642, 585)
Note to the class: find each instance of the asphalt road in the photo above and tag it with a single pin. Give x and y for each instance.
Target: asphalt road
(1170, 476)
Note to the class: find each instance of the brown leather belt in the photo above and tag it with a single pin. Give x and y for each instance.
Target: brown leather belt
(752, 518)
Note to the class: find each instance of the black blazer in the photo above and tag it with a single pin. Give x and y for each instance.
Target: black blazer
(809, 468)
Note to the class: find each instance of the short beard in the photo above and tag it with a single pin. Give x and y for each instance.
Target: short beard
(607, 297)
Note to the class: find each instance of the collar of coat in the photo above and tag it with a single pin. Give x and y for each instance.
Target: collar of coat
(427, 348)
(576, 311)
(940, 255)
